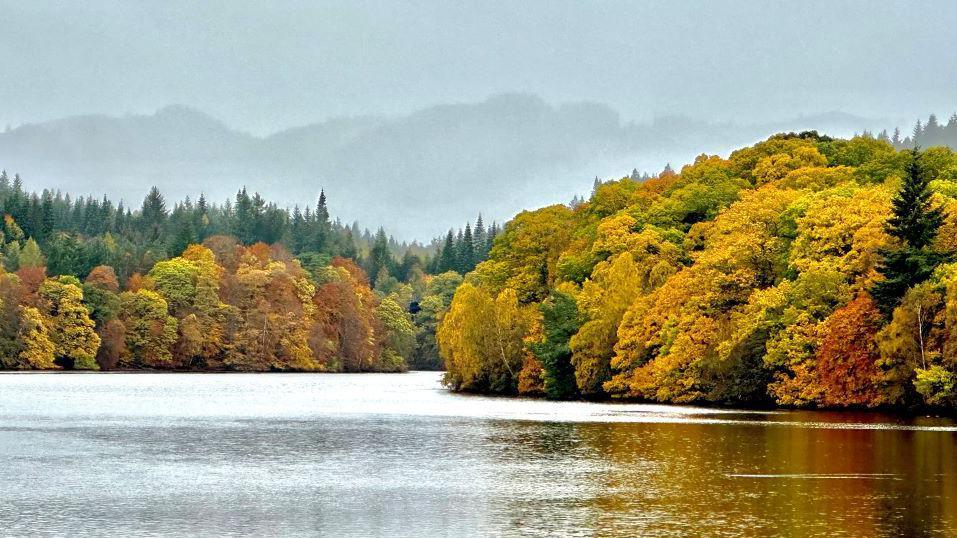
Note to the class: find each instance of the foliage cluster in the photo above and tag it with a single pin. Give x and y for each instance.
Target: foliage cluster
(801, 271)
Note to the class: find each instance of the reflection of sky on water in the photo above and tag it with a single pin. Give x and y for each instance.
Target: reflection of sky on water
(360, 455)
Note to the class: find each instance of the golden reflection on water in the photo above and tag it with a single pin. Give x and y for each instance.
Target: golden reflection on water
(759, 480)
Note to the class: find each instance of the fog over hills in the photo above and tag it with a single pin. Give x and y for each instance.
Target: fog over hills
(416, 174)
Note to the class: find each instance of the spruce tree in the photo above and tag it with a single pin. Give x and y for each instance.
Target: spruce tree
(296, 228)
(447, 257)
(201, 217)
(47, 221)
(479, 240)
(914, 222)
(379, 256)
(490, 237)
(466, 251)
(323, 227)
(245, 221)
(4, 185)
(153, 214)
(458, 265)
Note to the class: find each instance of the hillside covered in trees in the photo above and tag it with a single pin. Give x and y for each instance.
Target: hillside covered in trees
(245, 285)
(802, 271)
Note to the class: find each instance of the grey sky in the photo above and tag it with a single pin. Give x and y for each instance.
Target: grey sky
(263, 66)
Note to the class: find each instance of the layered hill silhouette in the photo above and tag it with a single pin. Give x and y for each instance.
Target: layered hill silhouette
(420, 173)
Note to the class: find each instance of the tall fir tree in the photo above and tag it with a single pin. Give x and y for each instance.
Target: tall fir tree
(466, 251)
(323, 226)
(243, 219)
(447, 256)
(915, 222)
(479, 240)
(152, 214)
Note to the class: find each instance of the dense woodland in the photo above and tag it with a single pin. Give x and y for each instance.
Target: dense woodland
(802, 271)
(246, 285)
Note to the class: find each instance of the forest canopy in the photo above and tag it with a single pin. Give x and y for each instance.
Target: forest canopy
(802, 271)
(245, 285)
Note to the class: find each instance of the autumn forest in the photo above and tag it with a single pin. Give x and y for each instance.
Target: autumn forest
(242, 286)
(803, 271)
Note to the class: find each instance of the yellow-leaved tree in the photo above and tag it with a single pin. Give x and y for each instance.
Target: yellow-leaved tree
(72, 331)
(482, 339)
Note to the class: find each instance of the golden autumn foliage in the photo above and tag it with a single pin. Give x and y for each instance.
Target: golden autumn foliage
(741, 280)
(36, 348)
(71, 329)
(482, 338)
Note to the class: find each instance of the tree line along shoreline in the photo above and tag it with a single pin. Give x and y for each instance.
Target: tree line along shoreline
(801, 272)
(89, 284)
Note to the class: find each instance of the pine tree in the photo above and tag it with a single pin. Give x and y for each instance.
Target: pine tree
(297, 239)
(201, 218)
(457, 253)
(152, 215)
(379, 256)
(106, 215)
(47, 221)
(490, 240)
(323, 227)
(932, 129)
(915, 222)
(447, 256)
(479, 239)
(244, 220)
(4, 186)
(466, 254)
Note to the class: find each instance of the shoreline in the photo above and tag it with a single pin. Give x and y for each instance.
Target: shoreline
(889, 412)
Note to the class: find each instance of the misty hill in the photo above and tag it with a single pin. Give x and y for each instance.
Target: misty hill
(420, 173)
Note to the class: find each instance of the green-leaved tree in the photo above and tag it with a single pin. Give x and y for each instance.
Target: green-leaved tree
(560, 321)
(915, 222)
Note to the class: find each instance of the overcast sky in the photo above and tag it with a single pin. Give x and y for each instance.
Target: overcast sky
(263, 66)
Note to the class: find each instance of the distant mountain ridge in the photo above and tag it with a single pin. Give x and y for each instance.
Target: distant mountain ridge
(419, 174)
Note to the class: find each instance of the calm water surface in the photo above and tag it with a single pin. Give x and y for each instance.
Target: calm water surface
(396, 455)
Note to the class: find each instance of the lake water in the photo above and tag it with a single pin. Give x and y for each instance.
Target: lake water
(396, 455)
